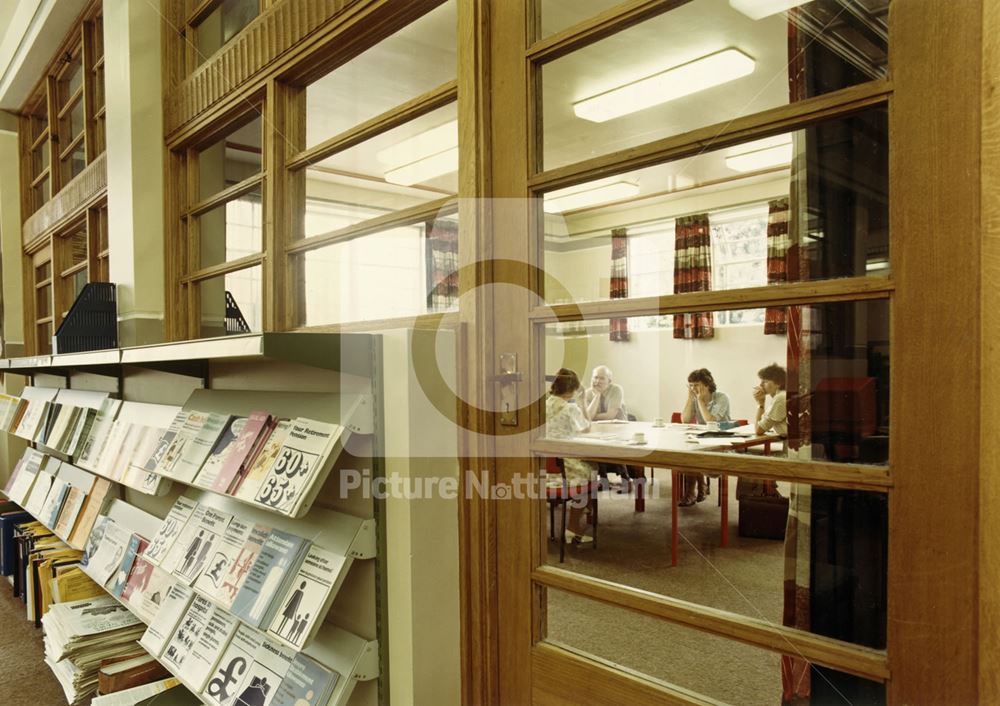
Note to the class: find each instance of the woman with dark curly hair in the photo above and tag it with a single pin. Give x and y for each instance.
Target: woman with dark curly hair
(704, 404)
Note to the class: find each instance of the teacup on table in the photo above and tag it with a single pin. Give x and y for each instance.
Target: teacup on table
(658, 422)
(639, 438)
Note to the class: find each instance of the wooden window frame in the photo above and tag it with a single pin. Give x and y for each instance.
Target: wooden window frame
(195, 12)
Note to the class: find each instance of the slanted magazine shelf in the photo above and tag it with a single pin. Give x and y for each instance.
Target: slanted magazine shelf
(325, 377)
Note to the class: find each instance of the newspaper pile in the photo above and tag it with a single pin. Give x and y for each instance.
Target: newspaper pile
(80, 634)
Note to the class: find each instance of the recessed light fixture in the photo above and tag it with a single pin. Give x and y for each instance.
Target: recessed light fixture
(697, 75)
(422, 157)
(758, 9)
(876, 265)
(570, 199)
(761, 154)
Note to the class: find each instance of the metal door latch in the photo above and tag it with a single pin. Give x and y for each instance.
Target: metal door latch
(509, 377)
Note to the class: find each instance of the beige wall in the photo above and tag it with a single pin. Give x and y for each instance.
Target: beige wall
(10, 245)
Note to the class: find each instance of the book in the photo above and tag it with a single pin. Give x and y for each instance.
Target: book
(275, 566)
(8, 521)
(52, 409)
(208, 648)
(178, 446)
(39, 493)
(146, 588)
(144, 695)
(70, 511)
(136, 476)
(33, 417)
(246, 487)
(240, 567)
(260, 681)
(171, 528)
(192, 556)
(187, 631)
(21, 487)
(223, 554)
(117, 448)
(228, 674)
(197, 449)
(94, 539)
(174, 606)
(12, 479)
(80, 432)
(102, 564)
(49, 513)
(309, 596)
(220, 452)
(165, 440)
(307, 683)
(100, 494)
(297, 465)
(129, 673)
(93, 444)
(248, 443)
(136, 545)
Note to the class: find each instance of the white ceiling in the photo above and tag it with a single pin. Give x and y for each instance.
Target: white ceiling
(30, 33)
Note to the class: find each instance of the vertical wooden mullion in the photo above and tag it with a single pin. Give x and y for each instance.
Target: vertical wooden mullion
(284, 134)
(89, 77)
(55, 135)
(93, 226)
(191, 248)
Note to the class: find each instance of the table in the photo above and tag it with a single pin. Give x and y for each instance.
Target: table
(678, 437)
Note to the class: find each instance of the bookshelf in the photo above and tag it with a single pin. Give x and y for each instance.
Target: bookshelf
(326, 377)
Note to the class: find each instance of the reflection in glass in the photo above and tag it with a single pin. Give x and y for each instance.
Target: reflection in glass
(231, 303)
(835, 358)
(231, 230)
(43, 302)
(44, 336)
(806, 205)
(222, 25)
(230, 159)
(76, 119)
(404, 167)
(416, 59)
(557, 15)
(701, 63)
(712, 666)
(78, 161)
(406, 271)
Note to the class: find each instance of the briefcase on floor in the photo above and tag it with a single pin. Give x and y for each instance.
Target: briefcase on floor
(763, 517)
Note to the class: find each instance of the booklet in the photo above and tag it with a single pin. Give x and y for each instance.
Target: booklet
(221, 688)
(246, 487)
(269, 578)
(175, 604)
(307, 683)
(171, 528)
(297, 465)
(202, 540)
(309, 596)
(223, 554)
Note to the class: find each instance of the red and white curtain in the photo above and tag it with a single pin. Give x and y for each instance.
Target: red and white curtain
(442, 264)
(619, 280)
(775, 317)
(693, 273)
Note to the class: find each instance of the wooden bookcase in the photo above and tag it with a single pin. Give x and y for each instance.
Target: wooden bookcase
(328, 377)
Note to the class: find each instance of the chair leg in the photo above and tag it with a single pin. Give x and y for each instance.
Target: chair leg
(594, 517)
(552, 520)
(562, 535)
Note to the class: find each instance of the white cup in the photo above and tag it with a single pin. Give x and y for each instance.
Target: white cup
(658, 422)
(713, 426)
(639, 438)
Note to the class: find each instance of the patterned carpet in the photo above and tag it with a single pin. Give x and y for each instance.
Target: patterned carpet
(633, 549)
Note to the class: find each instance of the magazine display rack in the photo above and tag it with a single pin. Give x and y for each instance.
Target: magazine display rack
(325, 377)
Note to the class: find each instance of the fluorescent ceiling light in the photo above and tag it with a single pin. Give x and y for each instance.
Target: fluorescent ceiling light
(876, 265)
(425, 169)
(758, 9)
(559, 201)
(422, 157)
(761, 158)
(705, 72)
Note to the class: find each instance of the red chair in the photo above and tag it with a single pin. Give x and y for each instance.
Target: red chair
(562, 495)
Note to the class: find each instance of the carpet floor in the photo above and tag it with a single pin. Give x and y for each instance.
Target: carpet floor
(634, 550)
(25, 679)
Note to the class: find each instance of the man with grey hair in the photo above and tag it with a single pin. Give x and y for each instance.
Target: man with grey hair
(604, 399)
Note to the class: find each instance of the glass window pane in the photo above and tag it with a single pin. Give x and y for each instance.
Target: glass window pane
(99, 88)
(41, 155)
(72, 249)
(557, 15)
(42, 193)
(412, 164)
(72, 122)
(222, 25)
(731, 209)
(77, 161)
(231, 159)
(699, 64)
(43, 271)
(417, 59)
(44, 336)
(405, 271)
(72, 80)
(232, 230)
(43, 302)
(713, 666)
(232, 303)
(832, 403)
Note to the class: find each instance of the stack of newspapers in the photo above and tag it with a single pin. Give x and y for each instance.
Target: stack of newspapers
(80, 634)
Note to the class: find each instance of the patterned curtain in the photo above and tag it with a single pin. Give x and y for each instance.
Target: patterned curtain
(777, 267)
(442, 264)
(693, 273)
(619, 280)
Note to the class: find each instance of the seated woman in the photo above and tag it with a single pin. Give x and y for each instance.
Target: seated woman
(774, 418)
(704, 404)
(564, 420)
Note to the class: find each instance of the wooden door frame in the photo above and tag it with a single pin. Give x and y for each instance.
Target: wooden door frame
(942, 97)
